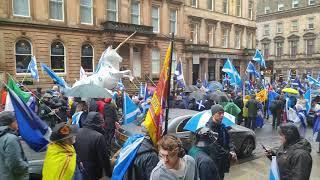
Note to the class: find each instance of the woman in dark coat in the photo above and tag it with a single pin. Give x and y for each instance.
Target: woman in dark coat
(293, 157)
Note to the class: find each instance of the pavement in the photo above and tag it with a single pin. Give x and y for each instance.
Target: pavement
(257, 167)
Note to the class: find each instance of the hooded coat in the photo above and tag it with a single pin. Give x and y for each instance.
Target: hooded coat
(91, 148)
(13, 163)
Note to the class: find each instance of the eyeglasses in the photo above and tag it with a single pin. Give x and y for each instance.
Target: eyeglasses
(170, 155)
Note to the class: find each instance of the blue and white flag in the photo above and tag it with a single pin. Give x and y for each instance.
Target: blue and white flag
(82, 73)
(179, 75)
(130, 110)
(232, 72)
(76, 118)
(127, 155)
(200, 105)
(32, 129)
(200, 120)
(259, 58)
(307, 97)
(251, 69)
(141, 90)
(120, 85)
(274, 170)
(33, 69)
(146, 92)
(313, 81)
(319, 77)
(58, 80)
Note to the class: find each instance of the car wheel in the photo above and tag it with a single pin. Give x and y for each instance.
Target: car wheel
(247, 147)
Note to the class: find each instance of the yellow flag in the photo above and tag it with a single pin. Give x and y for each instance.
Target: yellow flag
(155, 116)
(262, 96)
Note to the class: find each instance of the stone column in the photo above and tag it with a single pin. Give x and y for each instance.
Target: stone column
(202, 32)
(164, 19)
(244, 38)
(131, 57)
(217, 66)
(218, 34)
(232, 37)
(189, 71)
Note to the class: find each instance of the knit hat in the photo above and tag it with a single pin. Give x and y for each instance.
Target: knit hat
(216, 108)
(6, 118)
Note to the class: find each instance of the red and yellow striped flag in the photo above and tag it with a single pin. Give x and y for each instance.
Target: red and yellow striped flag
(155, 116)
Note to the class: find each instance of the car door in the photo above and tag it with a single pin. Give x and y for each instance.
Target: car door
(187, 137)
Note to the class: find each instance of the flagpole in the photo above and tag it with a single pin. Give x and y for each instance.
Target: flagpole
(168, 91)
(151, 80)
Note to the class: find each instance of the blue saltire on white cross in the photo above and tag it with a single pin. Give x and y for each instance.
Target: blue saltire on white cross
(130, 109)
(232, 72)
(313, 81)
(200, 105)
(179, 75)
(259, 58)
(32, 67)
(76, 117)
(251, 69)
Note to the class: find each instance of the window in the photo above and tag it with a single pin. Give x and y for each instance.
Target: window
(56, 9)
(266, 51)
(194, 33)
(293, 48)
(238, 8)
(225, 7)
(211, 71)
(210, 36)
(210, 4)
(294, 25)
(194, 3)
(279, 27)
(309, 46)
(155, 19)
(86, 11)
(249, 40)
(266, 31)
(312, 2)
(238, 40)
(135, 12)
(87, 57)
(279, 49)
(266, 9)
(112, 10)
(250, 10)
(295, 3)
(21, 8)
(280, 7)
(23, 55)
(57, 57)
(225, 38)
(173, 21)
(310, 23)
(155, 55)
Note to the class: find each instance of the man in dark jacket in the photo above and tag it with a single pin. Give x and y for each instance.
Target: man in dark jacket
(239, 102)
(13, 163)
(45, 112)
(91, 148)
(253, 106)
(207, 168)
(110, 119)
(223, 147)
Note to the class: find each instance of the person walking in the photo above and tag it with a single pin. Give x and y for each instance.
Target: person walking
(239, 102)
(173, 164)
(110, 119)
(91, 148)
(225, 147)
(253, 106)
(13, 163)
(293, 157)
(206, 166)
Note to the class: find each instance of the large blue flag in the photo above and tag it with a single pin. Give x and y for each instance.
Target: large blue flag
(307, 97)
(251, 69)
(259, 58)
(130, 109)
(32, 67)
(127, 155)
(58, 80)
(232, 72)
(31, 128)
(179, 75)
(313, 81)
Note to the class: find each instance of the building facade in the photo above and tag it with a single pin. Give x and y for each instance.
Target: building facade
(288, 36)
(66, 35)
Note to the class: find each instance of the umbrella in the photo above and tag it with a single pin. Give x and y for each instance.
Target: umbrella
(192, 88)
(88, 91)
(218, 96)
(214, 85)
(290, 91)
(197, 95)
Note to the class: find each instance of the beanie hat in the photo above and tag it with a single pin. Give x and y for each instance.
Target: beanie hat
(216, 108)
(6, 118)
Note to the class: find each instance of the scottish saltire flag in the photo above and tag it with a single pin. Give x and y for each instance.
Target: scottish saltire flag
(76, 118)
(127, 155)
(274, 170)
(200, 104)
(141, 90)
(82, 73)
(32, 67)
(252, 70)
(313, 81)
(179, 75)
(130, 110)
(289, 75)
(307, 97)
(120, 85)
(32, 129)
(58, 80)
(259, 58)
(232, 72)
(146, 92)
(200, 120)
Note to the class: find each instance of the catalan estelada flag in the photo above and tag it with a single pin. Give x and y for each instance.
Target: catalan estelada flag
(155, 117)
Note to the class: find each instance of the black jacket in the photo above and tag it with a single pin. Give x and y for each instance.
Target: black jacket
(91, 148)
(146, 159)
(110, 116)
(295, 161)
(253, 106)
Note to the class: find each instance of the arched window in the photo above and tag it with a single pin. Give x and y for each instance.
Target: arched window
(57, 57)
(87, 57)
(23, 55)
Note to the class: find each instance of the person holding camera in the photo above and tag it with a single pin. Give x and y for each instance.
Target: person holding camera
(173, 164)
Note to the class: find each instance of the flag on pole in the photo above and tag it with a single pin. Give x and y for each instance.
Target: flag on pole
(232, 72)
(32, 68)
(32, 129)
(82, 73)
(76, 118)
(25, 96)
(146, 92)
(262, 96)
(274, 170)
(155, 115)
(120, 85)
(58, 80)
(307, 97)
(130, 109)
(313, 81)
(259, 58)
(251, 69)
(141, 90)
(179, 75)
